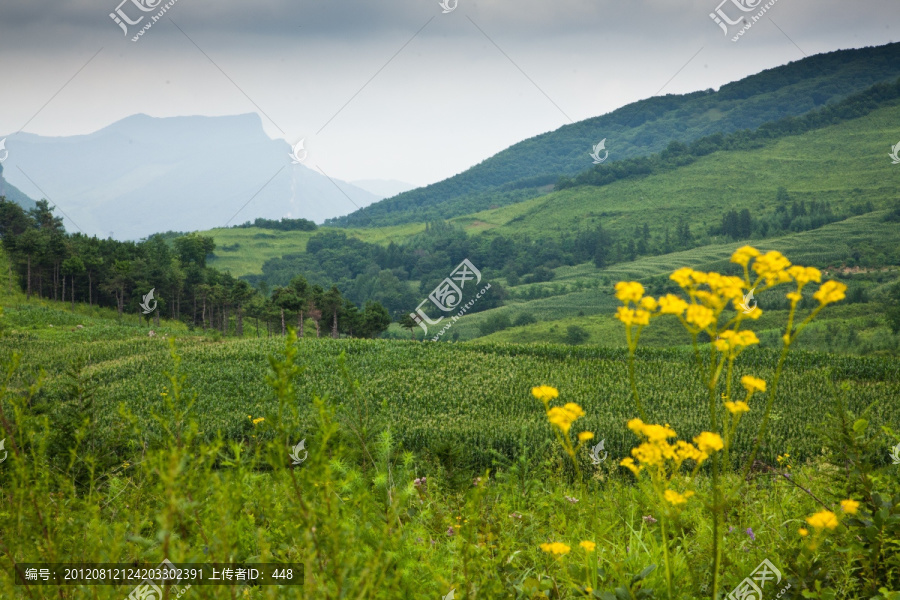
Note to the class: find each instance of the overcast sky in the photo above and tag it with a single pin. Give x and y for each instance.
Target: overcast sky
(395, 89)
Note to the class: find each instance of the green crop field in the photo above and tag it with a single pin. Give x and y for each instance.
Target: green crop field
(433, 394)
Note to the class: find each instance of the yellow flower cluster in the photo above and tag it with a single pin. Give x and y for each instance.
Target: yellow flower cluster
(772, 266)
(753, 384)
(735, 340)
(710, 293)
(589, 546)
(544, 393)
(830, 292)
(564, 416)
(738, 407)
(557, 548)
(656, 450)
(824, 519)
(849, 506)
(709, 442)
(674, 498)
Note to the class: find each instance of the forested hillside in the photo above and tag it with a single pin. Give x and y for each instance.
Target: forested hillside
(168, 275)
(637, 130)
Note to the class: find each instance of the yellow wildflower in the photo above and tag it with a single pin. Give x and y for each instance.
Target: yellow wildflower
(648, 454)
(700, 316)
(713, 301)
(682, 277)
(589, 546)
(754, 314)
(629, 464)
(585, 436)
(794, 297)
(544, 393)
(753, 384)
(557, 548)
(772, 267)
(675, 498)
(822, 520)
(708, 442)
(655, 433)
(803, 275)
(725, 286)
(737, 408)
(258, 420)
(685, 451)
(632, 317)
(743, 255)
(630, 291)
(830, 292)
(729, 339)
(849, 506)
(803, 531)
(564, 416)
(672, 305)
(648, 303)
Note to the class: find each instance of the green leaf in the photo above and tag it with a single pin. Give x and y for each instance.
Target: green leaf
(643, 574)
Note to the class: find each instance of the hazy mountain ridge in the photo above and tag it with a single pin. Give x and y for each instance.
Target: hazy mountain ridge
(13, 194)
(145, 174)
(640, 129)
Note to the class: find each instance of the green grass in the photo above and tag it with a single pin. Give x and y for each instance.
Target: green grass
(109, 459)
(248, 248)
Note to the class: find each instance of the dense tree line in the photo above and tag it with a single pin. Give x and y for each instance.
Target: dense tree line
(397, 274)
(49, 263)
(789, 216)
(280, 225)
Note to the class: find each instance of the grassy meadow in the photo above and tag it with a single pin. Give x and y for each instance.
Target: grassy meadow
(433, 467)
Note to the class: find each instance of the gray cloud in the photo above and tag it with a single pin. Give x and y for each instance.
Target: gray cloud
(448, 100)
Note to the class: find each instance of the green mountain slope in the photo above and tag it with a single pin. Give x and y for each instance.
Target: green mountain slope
(639, 129)
(846, 164)
(13, 194)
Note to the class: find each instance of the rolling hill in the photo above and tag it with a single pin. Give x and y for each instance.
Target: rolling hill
(638, 129)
